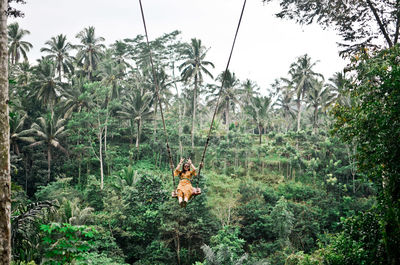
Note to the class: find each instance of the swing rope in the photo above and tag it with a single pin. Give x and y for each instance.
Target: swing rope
(171, 164)
(218, 99)
(220, 91)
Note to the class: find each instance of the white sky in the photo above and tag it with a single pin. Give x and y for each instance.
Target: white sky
(265, 48)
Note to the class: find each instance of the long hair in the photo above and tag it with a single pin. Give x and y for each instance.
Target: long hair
(183, 168)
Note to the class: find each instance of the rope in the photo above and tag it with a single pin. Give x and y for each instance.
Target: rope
(157, 93)
(219, 96)
(218, 99)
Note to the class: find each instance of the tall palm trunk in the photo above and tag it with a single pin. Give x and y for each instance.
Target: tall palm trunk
(100, 157)
(59, 69)
(139, 124)
(298, 114)
(101, 161)
(155, 121)
(48, 162)
(5, 178)
(194, 109)
(90, 66)
(227, 120)
(315, 119)
(259, 132)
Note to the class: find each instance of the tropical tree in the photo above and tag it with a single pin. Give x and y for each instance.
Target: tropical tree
(192, 70)
(17, 46)
(248, 91)
(111, 74)
(230, 94)
(226, 248)
(363, 24)
(120, 52)
(338, 85)
(72, 212)
(259, 110)
(285, 102)
(48, 131)
(75, 97)
(23, 73)
(302, 77)
(372, 124)
(137, 108)
(58, 51)
(17, 121)
(90, 50)
(48, 87)
(283, 218)
(5, 177)
(319, 98)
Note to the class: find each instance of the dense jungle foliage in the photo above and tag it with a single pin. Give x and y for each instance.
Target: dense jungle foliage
(303, 172)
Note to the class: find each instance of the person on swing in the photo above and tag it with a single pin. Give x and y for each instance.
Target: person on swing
(185, 189)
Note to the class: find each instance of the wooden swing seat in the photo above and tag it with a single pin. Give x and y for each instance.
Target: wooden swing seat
(195, 192)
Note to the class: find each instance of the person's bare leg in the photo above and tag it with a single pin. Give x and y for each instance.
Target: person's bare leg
(185, 200)
(180, 199)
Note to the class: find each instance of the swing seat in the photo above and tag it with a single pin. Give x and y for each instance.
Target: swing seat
(195, 192)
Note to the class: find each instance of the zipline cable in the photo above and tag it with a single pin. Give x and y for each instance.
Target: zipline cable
(157, 93)
(222, 86)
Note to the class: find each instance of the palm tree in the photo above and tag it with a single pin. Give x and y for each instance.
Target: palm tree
(58, 51)
(24, 73)
(302, 78)
(74, 97)
(71, 212)
(249, 90)
(90, 50)
(110, 74)
(48, 87)
(48, 130)
(230, 95)
(285, 99)
(137, 108)
(338, 83)
(120, 51)
(259, 110)
(17, 134)
(319, 98)
(16, 46)
(285, 102)
(192, 69)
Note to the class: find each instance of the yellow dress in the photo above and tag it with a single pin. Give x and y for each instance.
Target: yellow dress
(185, 188)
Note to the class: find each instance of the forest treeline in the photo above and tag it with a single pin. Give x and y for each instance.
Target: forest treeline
(302, 172)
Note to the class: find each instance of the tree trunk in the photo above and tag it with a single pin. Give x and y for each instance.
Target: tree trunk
(138, 134)
(48, 163)
(315, 121)
(101, 159)
(5, 178)
(298, 114)
(131, 128)
(155, 121)
(90, 66)
(59, 70)
(105, 145)
(259, 132)
(178, 249)
(380, 24)
(227, 115)
(194, 109)
(26, 174)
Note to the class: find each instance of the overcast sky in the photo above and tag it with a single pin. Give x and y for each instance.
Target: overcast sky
(265, 48)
